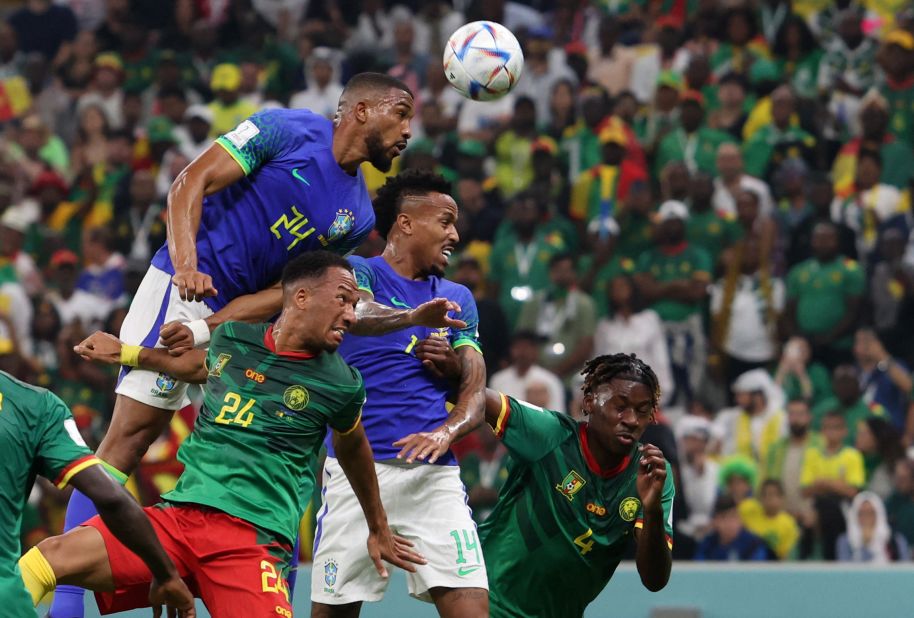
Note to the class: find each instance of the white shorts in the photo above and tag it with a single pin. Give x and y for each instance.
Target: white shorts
(156, 303)
(424, 503)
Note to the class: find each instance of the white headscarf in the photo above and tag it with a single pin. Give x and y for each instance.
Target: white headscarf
(877, 547)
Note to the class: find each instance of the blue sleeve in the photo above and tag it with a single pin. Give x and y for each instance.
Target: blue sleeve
(468, 336)
(259, 139)
(364, 275)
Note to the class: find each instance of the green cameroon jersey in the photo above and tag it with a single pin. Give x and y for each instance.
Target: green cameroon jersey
(263, 421)
(37, 436)
(561, 525)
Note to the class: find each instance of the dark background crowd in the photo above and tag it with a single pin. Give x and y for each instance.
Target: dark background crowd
(721, 187)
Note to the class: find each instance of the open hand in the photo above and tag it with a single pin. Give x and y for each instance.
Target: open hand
(425, 444)
(392, 548)
(434, 314)
(101, 347)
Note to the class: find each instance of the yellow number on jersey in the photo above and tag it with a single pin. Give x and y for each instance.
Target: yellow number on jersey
(583, 543)
(413, 340)
(292, 225)
(271, 581)
(1, 401)
(243, 417)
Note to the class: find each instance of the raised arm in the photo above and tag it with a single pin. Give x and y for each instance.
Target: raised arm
(354, 454)
(468, 412)
(213, 170)
(106, 348)
(373, 318)
(126, 520)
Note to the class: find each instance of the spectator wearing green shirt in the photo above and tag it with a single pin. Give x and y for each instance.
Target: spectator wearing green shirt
(824, 295)
(779, 141)
(564, 317)
(847, 401)
(800, 376)
(513, 169)
(706, 227)
(662, 115)
(692, 142)
(518, 264)
(580, 148)
(673, 277)
(897, 60)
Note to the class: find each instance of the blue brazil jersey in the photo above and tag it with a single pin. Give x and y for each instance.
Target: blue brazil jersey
(294, 198)
(402, 397)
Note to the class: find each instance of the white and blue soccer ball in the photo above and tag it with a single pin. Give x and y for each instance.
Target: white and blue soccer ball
(483, 60)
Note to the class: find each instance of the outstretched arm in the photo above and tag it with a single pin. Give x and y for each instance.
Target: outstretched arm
(106, 348)
(126, 520)
(468, 413)
(373, 318)
(213, 170)
(355, 457)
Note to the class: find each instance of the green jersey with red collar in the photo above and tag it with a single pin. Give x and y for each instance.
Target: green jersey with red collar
(561, 524)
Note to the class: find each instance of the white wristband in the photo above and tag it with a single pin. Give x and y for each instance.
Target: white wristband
(200, 329)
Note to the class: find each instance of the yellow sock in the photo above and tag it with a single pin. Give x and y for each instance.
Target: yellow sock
(37, 574)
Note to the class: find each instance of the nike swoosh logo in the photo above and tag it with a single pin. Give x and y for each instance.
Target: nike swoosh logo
(396, 302)
(464, 571)
(300, 177)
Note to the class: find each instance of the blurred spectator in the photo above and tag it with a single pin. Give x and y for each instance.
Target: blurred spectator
(746, 304)
(493, 327)
(869, 206)
(732, 181)
(581, 148)
(227, 108)
(900, 504)
(897, 60)
(832, 474)
(797, 53)
(513, 169)
(847, 401)
(779, 141)
(483, 471)
(880, 445)
(73, 304)
(193, 137)
(757, 422)
(406, 62)
(800, 376)
(824, 296)
(561, 113)
(520, 257)
(14, 223)
(698, 479)
(665, 55)
(600, 190)
(692, 142)
(869, 537)
(735, 53)
(37, 150)
(524, 370)
(706, 226)
(564, 317)
(820, 194)
(662, 115)
(544, 67)
(767, 518)
(731, 116)
(673, 277)
(90, 147)
(322, 76)
(45, 27)
(103, 274)
(632, 329)
(884, 380)
(105, 90)
(897, 163)
(730, 541)
(611, 67)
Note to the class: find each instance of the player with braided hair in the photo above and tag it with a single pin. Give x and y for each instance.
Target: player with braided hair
(577, 494)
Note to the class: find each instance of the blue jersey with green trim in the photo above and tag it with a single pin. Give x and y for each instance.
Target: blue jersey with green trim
(402, 396)
(294, 198)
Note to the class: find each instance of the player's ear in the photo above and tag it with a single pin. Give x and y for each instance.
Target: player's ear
(587, 404)
(405, 223)
(302, 296)
(361, 111)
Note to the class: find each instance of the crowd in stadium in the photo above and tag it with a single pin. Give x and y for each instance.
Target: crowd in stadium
(722, 188)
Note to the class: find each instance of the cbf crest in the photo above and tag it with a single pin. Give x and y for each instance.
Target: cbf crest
(330, 571)
(571, 484)
(341, 225)
(165, 383)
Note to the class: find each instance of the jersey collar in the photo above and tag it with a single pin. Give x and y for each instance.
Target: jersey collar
(591, 460)
(271, 346)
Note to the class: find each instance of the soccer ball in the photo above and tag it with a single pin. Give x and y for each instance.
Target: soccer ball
(483, 60)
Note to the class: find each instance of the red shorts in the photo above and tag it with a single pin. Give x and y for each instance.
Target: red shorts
(237, 569)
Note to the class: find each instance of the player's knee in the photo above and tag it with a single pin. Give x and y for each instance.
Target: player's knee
(124, 452)
(461, 602)
(54, 551)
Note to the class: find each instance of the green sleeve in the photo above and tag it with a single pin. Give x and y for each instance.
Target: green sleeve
(61, 451)
(348, 416)
(756, 154)
(793, 282)
(703, 261)
(666, 501)
(855, 281)
(259, 139)
(530, 432)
